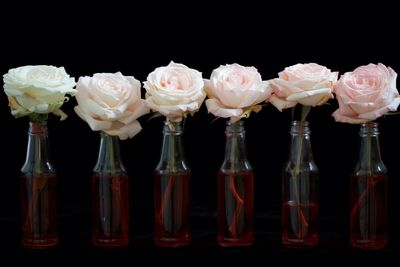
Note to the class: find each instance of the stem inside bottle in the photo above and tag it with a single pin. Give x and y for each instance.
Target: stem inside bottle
(38, 191)
(172, 178)
(368, 217)
(235, 191)
(300, 190)
(110, 196)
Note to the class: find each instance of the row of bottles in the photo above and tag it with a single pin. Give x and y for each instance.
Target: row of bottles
(235, 192)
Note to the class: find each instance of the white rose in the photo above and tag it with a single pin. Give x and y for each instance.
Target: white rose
(308, 84)
(174, 91)
(111, 103)
(37, 89)
(366, 93)
(234, 91)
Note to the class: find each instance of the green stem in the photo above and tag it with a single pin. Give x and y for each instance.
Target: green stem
(233, 148)
(369, 156)
(304, 224)
(232, 182)
(167, 194)
(171, 149)
(304, 112)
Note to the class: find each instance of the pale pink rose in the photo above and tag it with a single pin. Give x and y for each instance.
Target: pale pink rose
(111, 102)
(307, 84)
(366, 94)
(174, 91)
(234, 91)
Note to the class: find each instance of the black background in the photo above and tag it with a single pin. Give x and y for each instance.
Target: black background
(135, 37)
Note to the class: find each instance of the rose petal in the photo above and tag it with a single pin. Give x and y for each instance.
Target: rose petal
(173, 112)
(339, 117)
(134, 112)
(283, 88)
(381, 111)
(124, 131)
(280, 103)
(95, 125)
(61, 114)
(217, 109)
(311, 98)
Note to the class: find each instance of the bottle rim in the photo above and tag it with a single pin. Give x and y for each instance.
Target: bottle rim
(369, 128)
(296, 126)
(235, 127)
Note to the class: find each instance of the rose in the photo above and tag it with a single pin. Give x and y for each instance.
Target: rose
(174, 91)
(308, 84)
(110, 103)
(234, 91)
(37, 89)
(366, 94)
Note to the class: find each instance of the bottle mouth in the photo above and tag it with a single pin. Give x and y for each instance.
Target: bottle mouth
(235, 127)
(370, 128)
(172, 127)
(38, 128)
(298, 126)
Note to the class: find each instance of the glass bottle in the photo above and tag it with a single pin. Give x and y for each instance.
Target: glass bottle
(171, 187)
(368, 193)
(235, 191)
(110, 197)
(300, 191)
(38, 191)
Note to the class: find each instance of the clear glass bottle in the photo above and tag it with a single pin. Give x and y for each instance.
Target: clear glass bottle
(110, 198)
(39, 191)
(235, 191)
(300, 191)
(368, 193)
(171, 188)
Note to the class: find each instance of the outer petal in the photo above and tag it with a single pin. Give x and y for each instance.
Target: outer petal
(174, 112)
(392, 82)
(16, 109)
(138, 110)
(339, 117)
(61, 114)
(361, 107)
(95, 125)
(217, 109)
(311, 98)
(345, 114)
(381, 111)
(124, 131)
(280, 103)
(283, 88)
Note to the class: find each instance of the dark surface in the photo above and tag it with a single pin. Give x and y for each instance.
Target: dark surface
(135, 37)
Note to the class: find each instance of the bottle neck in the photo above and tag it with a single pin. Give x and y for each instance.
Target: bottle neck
(370, 155)
(172, 153)
(300, 148)
(235, 148)
(109, 159)
(38, 159)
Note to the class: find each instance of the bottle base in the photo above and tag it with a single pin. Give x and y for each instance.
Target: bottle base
(40, 243)
(299, 243)
(368, 244)
(171, 242)
(110, 242)
(231, 242)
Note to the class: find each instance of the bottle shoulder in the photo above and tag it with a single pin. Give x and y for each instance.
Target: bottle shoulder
(108, 168)
(30, 168)
(166, 167)
(236, 166)
(362, 169)
(309, 166)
